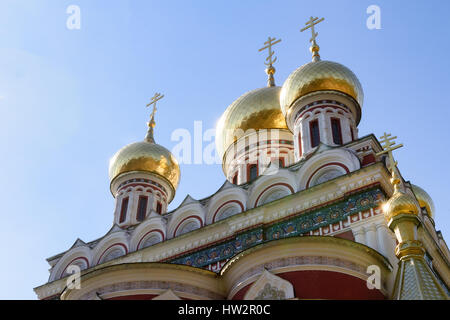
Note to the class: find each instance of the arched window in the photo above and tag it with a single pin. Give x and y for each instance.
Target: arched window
(123, 210)
(142, 208)
(336, 130)
(252, 172)
(281, 162)
(235, 179)
(158, 207)
(300, 152)
(314, 132)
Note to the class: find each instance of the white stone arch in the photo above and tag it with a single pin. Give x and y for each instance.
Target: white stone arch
(228, 209)
(282, 178)
(338, 159)
(326, 173)
(152, 228)
(187, 225)
(111, 243)
(180, 217)
(273, 193)
(73, 255)
(233, 197)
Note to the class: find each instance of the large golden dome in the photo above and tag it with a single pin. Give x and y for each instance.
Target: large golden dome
(257, 109)
(148, 157)
(320, 76)
(424, 199)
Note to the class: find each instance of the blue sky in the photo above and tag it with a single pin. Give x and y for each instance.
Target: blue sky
(69, 99)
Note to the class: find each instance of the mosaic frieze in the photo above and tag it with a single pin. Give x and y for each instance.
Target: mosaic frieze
(324, 216)
(223, 251)
(295, 226)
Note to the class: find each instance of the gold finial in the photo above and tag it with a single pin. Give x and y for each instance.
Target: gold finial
(388, 147)
(314, 47)
(270, 70)
(151, 124)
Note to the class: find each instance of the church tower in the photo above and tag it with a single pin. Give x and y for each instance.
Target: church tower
(144, 177)
(252, 134)
(322, 102)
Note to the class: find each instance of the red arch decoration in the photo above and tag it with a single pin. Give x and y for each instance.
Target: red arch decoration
(326, 165)
(115, 244)
(77, 258)
(153, 230)
(273, 185)
(187, 218)
(225, 203)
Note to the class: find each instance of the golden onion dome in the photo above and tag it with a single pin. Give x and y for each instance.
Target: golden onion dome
(320, 75)
(400, 203)
(145, 156)
(257, 109)
(424, 199)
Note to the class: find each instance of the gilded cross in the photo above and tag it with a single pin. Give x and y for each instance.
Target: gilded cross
(153, 101)
(310, 25)
(268, 45)
(388, 147)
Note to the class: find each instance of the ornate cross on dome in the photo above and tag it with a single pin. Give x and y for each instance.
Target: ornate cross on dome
(269, 43)
(155, 99)
(151, 123)
(314, 47)
(270, 69)
(388, 147)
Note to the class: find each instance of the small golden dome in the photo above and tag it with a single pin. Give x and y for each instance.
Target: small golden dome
(401, 203)
(257, 109)
(148, 157)
(424, 199)
(320, 76)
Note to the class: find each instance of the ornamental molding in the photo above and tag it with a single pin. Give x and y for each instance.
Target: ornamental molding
(151, 287)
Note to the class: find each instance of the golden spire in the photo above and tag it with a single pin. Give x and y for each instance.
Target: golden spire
(314, 46)
(151, 124)
(270, 70)
(414, 280)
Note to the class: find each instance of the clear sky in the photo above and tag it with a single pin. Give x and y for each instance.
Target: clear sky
(69, 99)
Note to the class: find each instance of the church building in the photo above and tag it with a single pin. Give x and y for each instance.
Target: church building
(310, 209)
